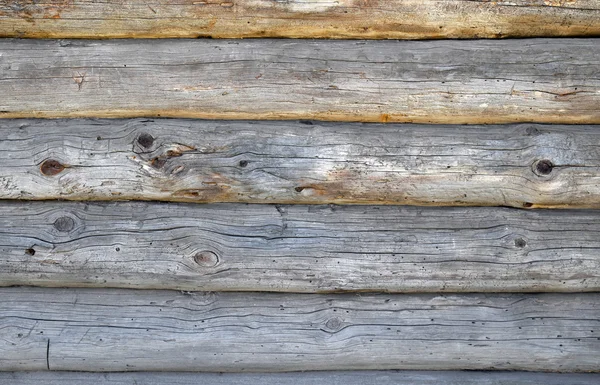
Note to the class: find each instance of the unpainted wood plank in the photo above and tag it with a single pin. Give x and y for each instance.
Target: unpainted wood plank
(477, 81)
(132, 330)
(298, 248)
(526, 165)
(372, 19)
(388, 377)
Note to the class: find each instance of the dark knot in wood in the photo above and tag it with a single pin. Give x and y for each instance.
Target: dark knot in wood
(520, 243)
(51, 167)
(206, 258)
(543, 167)
(64, 224)
(145, 140)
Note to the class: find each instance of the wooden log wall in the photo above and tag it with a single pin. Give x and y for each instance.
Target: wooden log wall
(290, 231)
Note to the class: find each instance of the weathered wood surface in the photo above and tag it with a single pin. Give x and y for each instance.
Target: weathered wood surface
(388, 377)
(300, 162)
(370, 19)
(123, 330)
(298, 248)
(540, 80)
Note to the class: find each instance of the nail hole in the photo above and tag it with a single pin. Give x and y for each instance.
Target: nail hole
(299, 189)
(51, 167)
(30, 251)
(527, 204)
(543, 167)
(145, 140)
(243, 163)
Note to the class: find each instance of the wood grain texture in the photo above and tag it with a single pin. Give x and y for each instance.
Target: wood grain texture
(388, 377)
(364, 19)
(477, 81)
(298, 248)
(535, 166)
(122, 330)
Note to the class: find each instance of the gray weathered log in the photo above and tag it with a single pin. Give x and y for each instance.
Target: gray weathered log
(541, 80)
(365, 19)
(126, 330)
(300, 162)
(388, 377)
(298, 248)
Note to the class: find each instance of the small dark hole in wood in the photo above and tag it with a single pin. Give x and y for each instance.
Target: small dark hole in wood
(51, 167)
(243, 163)
(307, 122)
(299, 189)
(30, 251)
(145, 140)
(98, 138)
(543, 167)
(520, 243)
(527, 204)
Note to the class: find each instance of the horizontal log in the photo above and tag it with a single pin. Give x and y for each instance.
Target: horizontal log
(298, 248)
(372, 19)
(387, 377)
(477, 81)
(532, 166)
(123, 330)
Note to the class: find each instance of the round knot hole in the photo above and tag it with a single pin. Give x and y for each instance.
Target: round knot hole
(64, 224)
(145, 140)
(206, 258)
(243, 163)
(543, 167)
(51, 167)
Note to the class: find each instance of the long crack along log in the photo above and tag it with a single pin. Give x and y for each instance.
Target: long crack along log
(360, 19)
(525, 166)
(501, 81)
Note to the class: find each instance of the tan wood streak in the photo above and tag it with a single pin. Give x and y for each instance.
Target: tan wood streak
(364, 19)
